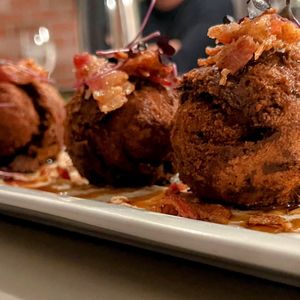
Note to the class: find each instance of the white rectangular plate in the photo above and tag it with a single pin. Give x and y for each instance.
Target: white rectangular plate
(272, 256)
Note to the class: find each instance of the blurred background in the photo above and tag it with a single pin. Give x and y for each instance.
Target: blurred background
(52, 31)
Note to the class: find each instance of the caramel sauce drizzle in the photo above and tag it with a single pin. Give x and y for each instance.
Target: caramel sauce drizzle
(151, 201)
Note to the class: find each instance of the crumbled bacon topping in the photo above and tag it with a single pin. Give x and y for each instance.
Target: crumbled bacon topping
(109, 82)
(239, 43)
(109, 87)
(148, 65)
(277, 223)
(182, 205)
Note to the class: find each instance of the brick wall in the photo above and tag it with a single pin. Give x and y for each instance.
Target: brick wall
(59, 16)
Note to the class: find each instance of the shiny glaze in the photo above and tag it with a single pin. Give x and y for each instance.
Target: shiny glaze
(151, 202)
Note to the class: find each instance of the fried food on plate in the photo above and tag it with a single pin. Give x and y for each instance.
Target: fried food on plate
(236, 137)
(31, 117)
(119, 121)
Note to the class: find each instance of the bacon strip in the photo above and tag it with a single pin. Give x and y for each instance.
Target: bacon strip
(180, 204)
(109, 83)
(239, 43)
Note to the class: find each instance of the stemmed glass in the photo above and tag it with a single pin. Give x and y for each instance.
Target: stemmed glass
(37, 44)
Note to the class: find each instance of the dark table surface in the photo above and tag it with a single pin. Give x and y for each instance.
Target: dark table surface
(39, 262)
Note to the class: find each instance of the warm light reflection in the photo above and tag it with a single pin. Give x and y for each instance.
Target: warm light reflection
(42, 37)
(127, 2)
(111, 4)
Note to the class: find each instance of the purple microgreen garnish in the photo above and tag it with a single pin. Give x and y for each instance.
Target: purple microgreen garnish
(145, 21)
(149, 37)
(118, 58)
(139, 43)
(113, 67)
(134, 48)
(163, 43)
(112, 52)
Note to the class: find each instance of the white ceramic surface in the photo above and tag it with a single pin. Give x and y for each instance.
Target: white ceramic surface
(274, 256)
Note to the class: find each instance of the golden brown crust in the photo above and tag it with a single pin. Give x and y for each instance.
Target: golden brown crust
(18, 122)
(46, 140)
(241, 42)
(127, 146)
(240, 143)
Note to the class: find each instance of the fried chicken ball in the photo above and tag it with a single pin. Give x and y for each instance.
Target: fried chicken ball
(128, 146)
(236, 137)
(119, 121)
(17, 116)
(31, 118)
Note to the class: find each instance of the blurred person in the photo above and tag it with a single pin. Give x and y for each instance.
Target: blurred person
(186, 23)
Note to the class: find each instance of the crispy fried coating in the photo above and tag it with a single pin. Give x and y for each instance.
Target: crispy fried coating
(239, 143)
(128, 146)
(236, 137)
(31, 127)
(18, 117)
